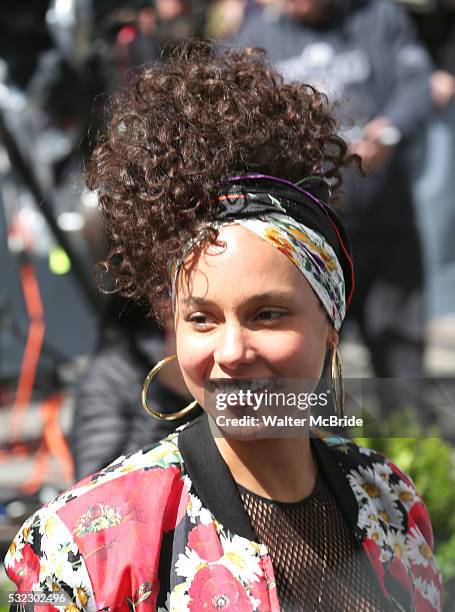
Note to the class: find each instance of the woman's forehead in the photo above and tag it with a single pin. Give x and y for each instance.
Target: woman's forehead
(244, 265)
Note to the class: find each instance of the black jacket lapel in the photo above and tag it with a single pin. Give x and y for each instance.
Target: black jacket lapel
(337, 481)
(211, 477)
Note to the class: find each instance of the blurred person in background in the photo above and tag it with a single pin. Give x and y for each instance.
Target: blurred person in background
(174, 20)
(434, 183)
(225, 18)
(154, 27)
(365, 54)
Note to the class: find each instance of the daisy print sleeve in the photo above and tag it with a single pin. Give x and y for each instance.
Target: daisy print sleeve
(394, 526)
(45, 559)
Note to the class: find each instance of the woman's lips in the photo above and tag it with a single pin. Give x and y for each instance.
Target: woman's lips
(233, 385)
(245, 396)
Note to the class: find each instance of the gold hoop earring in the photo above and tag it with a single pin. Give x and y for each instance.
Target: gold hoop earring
(337, 382)
(154, 413)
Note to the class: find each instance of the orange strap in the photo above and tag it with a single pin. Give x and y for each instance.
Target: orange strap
(52, 444)
(32, 352)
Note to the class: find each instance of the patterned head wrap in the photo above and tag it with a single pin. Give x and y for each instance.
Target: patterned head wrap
(297, 221)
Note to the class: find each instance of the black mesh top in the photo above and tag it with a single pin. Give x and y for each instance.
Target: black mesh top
(317, 563)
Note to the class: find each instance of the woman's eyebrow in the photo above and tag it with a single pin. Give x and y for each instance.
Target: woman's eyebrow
(194, 300)
(273, 296)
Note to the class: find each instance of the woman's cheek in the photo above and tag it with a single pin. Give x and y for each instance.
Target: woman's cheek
(193, 355)
(193, 375)
(297, 356)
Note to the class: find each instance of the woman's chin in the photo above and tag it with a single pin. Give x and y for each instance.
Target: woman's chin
(237, 429)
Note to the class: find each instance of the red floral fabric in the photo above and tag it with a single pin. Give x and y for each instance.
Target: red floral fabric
(137, 537)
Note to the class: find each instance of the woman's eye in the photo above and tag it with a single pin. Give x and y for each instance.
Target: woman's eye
(270, 315)
(200, 321)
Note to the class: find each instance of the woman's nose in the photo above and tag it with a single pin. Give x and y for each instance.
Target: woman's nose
(234, 348)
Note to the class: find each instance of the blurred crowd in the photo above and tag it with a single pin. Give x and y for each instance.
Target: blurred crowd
(388, 66)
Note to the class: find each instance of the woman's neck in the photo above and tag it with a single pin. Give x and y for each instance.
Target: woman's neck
(282, 469)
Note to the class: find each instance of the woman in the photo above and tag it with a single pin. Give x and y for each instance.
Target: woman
(213, 180)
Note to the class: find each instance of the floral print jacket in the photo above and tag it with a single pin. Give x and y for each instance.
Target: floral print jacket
(164, 529)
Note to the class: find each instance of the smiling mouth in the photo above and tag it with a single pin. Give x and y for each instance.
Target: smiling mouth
(233, 385)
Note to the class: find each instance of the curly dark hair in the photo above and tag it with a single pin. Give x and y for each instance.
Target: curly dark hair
(183, 125)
